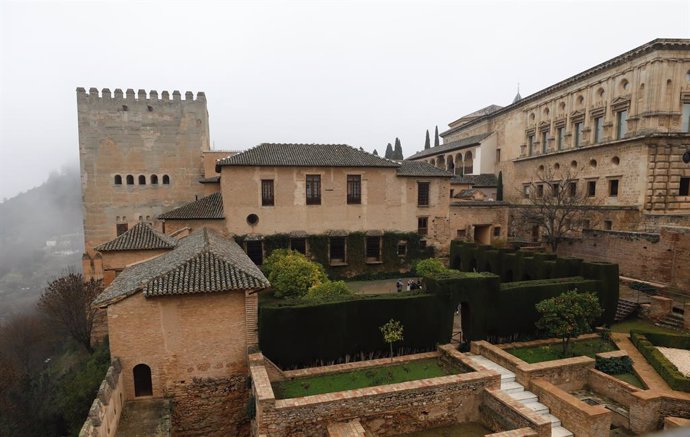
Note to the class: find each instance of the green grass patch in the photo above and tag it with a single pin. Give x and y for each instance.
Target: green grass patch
(641, 325)
(550, 352)
(369, 377)
(631, 379)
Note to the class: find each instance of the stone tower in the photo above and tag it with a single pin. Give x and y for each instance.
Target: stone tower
(140, 155)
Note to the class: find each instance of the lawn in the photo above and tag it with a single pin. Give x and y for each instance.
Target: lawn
(550, 352)
(631, 379)
(411, 371)
(643, 325)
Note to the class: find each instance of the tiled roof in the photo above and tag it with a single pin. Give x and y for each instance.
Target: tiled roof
(305, 155)
(484, 111)
(209, 208)
(446, 147)
(211, 180)
(203, 262)
(479, 180)
(421, 169)
(140, 237)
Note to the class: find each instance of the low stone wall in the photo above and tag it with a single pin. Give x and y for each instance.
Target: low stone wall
(582, 419)
(211, 407)
(612, 387)
(500, 412)
(383, 410)
(106, 409)
(522, 432)
(568, 373)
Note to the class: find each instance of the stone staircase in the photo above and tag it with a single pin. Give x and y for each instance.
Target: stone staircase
(673, 320)
(517, 391)
(625, 309)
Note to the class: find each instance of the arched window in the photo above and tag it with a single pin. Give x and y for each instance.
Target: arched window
(118, 179)
(142, 180)
(142, 380)
(441, 162)
(154, 179)
(450, 166)
(166, 179)
(468, 163)
(458, 164)
(130, 179)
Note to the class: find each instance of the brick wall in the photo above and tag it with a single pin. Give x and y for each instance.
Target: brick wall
(383, 410)
(501, 412)
(657, 257)
(582, 419)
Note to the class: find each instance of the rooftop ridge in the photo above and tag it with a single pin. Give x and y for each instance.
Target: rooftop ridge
(140, 96)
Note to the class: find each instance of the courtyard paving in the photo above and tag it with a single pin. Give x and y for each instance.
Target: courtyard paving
(145, 418)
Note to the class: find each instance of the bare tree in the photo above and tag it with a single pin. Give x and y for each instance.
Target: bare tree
(557, 204)
(67, 302)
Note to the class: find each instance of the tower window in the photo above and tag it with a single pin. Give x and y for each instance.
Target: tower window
(118, 179)
(154, 179)
(142, 180)
(684, 189)
(166, 179)
(130, 179)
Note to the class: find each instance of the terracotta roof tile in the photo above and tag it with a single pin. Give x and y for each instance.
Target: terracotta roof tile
(453, 145)
(209, 208)
(140, 237)
(421, 169)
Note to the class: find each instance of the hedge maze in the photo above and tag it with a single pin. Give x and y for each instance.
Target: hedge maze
(498, 290)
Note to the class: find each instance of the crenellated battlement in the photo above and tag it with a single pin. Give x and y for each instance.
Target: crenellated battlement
(141, 95)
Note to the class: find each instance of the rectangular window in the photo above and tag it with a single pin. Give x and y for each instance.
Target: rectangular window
(608, 225)
(685, 121)
(684, 189)
(544, 142)
(255, 251)
(530, 144)
(572, 189)
(591, 188)
(585, 224)
(621, 124)
(497, 231)
(373, 249)
(121, 228)
(354, 189)
(578, 134)
(452, 191)
(554, 189)
(299, 245)
(598, 129)
(613, 187)
(267, 198)
(540, 190)
(313, 189)
(422, 193)
(525, 191)
(561, 137)
(498, 155)
(402, 248)
(336, 250)
(461, 234)
(422, 225)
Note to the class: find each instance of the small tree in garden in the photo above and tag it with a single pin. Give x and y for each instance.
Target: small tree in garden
(392, 331)
(568, 315)
(292, 274)
(429, 266)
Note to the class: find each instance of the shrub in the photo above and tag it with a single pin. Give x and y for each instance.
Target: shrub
(665, 368)
(428, 267)
(614, 365)
(292, 275)
(329, 290)
(275, 256)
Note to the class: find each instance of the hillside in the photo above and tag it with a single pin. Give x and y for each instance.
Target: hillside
(40, 237)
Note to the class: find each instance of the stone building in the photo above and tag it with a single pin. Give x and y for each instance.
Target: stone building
(181, 324)
(618, 131)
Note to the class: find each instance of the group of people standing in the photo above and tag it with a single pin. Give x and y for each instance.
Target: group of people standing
(412, 284)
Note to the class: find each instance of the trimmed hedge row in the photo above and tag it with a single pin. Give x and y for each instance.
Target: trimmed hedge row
(310, 333)
(661, 364)
(391, 265)
(513, 266)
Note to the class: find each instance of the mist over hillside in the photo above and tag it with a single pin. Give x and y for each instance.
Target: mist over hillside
(41, 236)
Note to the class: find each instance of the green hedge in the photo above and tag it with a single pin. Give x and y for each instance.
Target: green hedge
(297, 335)
(661, 364)
(614, 365)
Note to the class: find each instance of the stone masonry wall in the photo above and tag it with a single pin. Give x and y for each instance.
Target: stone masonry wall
(655, 257)
(106, 409)
(500, 412)
(383, 410)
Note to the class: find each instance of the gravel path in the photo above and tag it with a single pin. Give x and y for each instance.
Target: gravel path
(679, 357)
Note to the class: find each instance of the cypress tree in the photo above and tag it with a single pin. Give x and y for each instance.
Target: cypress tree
(376, 153)
(436, 140)
(427, 142)
(398, 153)
(389, 152)
(499, 187)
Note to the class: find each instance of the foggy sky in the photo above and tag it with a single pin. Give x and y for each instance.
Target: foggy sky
(355, 72)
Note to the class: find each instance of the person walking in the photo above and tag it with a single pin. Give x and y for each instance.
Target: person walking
(398, 285)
